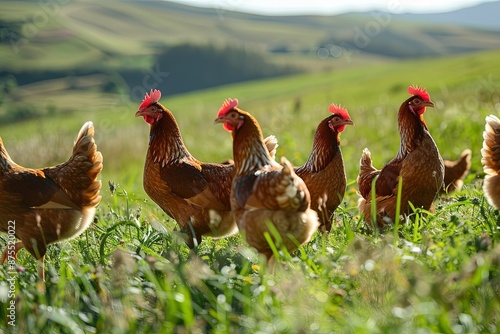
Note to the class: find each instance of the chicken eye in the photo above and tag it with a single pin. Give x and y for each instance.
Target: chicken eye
(153, 109)
(417, 101)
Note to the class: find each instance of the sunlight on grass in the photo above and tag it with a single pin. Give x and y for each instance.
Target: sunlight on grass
(148, 281)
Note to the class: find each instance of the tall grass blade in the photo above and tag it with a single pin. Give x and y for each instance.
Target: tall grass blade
(373, 208)
(398, 211)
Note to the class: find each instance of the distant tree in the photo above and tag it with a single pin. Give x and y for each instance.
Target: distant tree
(113, 84)
(9, 84)
(192, 67)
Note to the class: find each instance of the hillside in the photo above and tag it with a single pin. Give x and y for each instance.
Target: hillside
(117, 28)
(120, 43)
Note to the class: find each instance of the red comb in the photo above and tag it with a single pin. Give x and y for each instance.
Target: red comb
(337, 109)
(418, 90)
(227, 105)
(153, 97)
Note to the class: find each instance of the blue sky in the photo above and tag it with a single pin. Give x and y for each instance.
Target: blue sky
(277, 7)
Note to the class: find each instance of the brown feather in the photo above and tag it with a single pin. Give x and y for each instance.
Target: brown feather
(366, 174)
(455, 172)
(51, 204)
(490, 159)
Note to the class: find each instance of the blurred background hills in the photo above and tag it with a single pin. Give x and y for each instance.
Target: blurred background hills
(54, 50)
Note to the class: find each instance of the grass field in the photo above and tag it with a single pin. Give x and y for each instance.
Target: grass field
(129, 273)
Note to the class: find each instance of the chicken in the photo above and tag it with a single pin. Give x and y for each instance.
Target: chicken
(194, 193)
(324, 172)
(49, 205)
(455, 172)
(418, 163)
(263, 192)
(490, 159)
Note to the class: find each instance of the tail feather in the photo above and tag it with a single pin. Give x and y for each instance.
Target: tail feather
(271, 144)
(86, 130)
(6, 161)
(465, 160)
(456, 171)
(491, 146)
(86, 147)
(366, 173)
(462, 165)
(287, 166)
(78, 176)
(490, 187)
(491, 160)
(365, 163)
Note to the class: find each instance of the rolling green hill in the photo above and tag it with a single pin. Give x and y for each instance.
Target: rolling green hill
(72, 40)
(89, 31)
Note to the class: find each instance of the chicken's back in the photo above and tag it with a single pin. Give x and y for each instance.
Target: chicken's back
(287, 229)
(275, 197)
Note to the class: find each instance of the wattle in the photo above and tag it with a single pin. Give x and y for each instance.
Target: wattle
(228, 127)
(421, 111)
(149, 119)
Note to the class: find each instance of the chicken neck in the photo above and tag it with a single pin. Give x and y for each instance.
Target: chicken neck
(412, 130)
(165, 140)
(325, 148)
(249, 151)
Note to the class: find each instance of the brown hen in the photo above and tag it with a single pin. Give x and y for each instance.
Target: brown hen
(48, 205)
(263, 192)
(418, 163)
(194, 193)
(324, 171)
(490, 159)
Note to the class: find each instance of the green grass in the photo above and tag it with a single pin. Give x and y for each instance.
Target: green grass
(129, 272)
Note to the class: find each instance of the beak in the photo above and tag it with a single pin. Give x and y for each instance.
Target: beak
(348, 122)
(428, 104)
(138, 113)
(219, 120)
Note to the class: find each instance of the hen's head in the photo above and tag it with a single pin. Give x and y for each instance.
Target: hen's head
(150, 109)
(340, 118)
(229, 115)
(419, 100)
